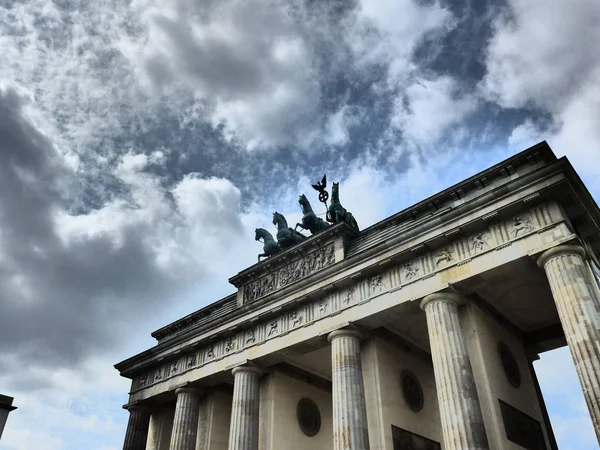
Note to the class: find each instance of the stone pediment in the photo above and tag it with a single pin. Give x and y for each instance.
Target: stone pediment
(293, 265)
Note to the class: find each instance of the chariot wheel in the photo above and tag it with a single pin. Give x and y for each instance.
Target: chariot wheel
(323, 196)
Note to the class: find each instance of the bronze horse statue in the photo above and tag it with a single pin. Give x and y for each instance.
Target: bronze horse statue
(286, 236)
(336, 213)
(310, 221)
(270, 246)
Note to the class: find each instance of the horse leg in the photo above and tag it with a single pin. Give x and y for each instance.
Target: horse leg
(262, 254)
(298, 225)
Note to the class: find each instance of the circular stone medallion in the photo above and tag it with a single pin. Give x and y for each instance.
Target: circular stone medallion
(309, 417)
(509, 364)
(412, 390)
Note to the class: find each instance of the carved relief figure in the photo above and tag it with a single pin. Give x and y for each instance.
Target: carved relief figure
(291, 272)
(478, 243)
(336, 213)
(377, 284)
(273, 328)
(295, 318)
(349, 295)
(286, 236)
(270, 247)
(230, 345)
(210, 352)
(445, 255)
(143, 380)
(310, 221)
(521, 225)
(250, 339)
(323, 304)
(410, 271)
(191, 362)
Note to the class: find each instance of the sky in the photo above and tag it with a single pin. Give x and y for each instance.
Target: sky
(142, 141)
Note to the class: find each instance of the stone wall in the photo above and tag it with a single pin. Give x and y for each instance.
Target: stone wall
(161, 426)
(213, 422)
(280, 395)
(483, 333)
(383, 365)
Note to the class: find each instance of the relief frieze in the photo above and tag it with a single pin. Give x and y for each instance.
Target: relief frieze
(292, 272)
(393, 278)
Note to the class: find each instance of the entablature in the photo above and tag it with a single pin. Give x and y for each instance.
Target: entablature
(357, 296)
(336, 259)
(341, 274)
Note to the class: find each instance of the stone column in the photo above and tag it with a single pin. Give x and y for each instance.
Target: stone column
(577, 302)
(243, 428)
(137, 428)
(152, 443)
(350, 428)
(185, 424)
(460, 412)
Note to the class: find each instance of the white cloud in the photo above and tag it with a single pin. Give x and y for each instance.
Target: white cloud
(388, 30)
(433, 106)
(247, 59)
(203, 218)
(544, 55)
(543, 52)
(81, 409)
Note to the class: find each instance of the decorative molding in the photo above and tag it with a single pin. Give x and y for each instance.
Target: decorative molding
(290, 273)
(364, 289)
(202, 316)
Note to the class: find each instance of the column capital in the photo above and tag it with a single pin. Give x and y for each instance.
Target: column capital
(188, 390)
(137, 406)
(247, 369)
(560, 250)
(442, 296)
(344, 332)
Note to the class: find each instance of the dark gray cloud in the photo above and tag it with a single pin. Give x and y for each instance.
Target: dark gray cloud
(65, 294)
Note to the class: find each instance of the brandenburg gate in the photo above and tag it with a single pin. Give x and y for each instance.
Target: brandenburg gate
(418, 332)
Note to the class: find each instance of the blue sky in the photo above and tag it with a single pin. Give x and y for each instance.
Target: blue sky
(141, 142)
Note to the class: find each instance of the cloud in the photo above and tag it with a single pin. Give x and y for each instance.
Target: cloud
(83, 410)
(543, 55)
(388, 32)
(546, 60)
(72, 284)
(440, 100)
(248, 60)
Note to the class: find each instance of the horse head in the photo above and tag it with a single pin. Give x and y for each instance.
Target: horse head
(335, 192)
(279, 221)
(262, 233)
(303, 201)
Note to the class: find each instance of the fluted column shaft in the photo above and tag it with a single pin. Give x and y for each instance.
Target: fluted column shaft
(350, 429)
(185, 423)
(577, 302)
(153, 433)
(460, 411)
(243, 429)
(137, 429)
